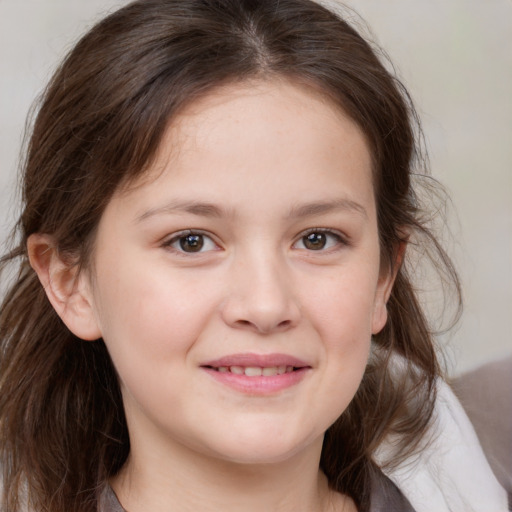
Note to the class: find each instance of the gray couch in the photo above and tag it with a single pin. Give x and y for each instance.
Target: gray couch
(486, 395)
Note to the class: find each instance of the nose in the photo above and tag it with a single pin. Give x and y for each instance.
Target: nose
(261, 296)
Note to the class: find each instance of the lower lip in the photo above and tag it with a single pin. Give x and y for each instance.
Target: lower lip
(260, 385)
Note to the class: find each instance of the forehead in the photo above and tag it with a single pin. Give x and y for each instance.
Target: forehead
(279, 134)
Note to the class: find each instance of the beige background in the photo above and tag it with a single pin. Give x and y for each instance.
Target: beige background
(456, 58)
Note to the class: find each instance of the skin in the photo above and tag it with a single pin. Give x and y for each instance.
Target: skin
(251, 169)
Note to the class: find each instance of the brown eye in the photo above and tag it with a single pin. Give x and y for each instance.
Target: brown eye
(191, 243)
(320, 240)
(315, 241)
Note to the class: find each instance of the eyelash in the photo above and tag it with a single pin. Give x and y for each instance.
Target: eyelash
(182, 235)
(338, 239)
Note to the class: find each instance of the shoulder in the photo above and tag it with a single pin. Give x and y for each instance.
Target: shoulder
(448, 470)
(486, 395)
(107, 500)
(386, 496)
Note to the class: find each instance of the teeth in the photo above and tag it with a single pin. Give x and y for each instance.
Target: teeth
(253, 371)
(256, 371)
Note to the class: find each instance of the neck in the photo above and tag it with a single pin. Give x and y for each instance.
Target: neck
(186, 481)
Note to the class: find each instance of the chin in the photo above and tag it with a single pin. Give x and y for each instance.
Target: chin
(265, 448)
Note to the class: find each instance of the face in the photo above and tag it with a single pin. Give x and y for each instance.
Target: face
(238, 284)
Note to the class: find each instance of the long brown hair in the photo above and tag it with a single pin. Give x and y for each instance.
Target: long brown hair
(63, 431)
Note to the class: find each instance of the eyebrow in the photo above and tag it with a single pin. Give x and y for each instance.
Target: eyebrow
(205, 209)
(202, 209)
(322, 207)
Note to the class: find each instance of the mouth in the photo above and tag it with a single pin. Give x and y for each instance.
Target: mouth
(258, 374)
(255, 371)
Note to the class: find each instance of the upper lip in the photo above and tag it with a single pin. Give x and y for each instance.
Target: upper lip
(261, 360)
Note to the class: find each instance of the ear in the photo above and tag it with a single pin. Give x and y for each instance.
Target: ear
(384, 287)
(68, 291)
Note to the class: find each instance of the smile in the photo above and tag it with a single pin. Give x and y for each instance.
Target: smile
(256, 371)
(258, 374)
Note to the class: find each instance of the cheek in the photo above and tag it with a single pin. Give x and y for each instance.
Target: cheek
(343, 309)
(150, 329)
(148, 316)
(342, 314)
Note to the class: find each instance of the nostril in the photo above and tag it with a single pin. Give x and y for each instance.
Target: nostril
(258, 326)
(284, 324)
(244, 323)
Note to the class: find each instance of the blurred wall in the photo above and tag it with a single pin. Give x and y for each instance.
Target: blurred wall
(455, 57)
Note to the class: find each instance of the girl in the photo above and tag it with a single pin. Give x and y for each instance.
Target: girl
(213, 308)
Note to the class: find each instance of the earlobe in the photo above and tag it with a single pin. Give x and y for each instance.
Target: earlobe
(67, 290)
(380, 315)
(380, 310)
(385, 286)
